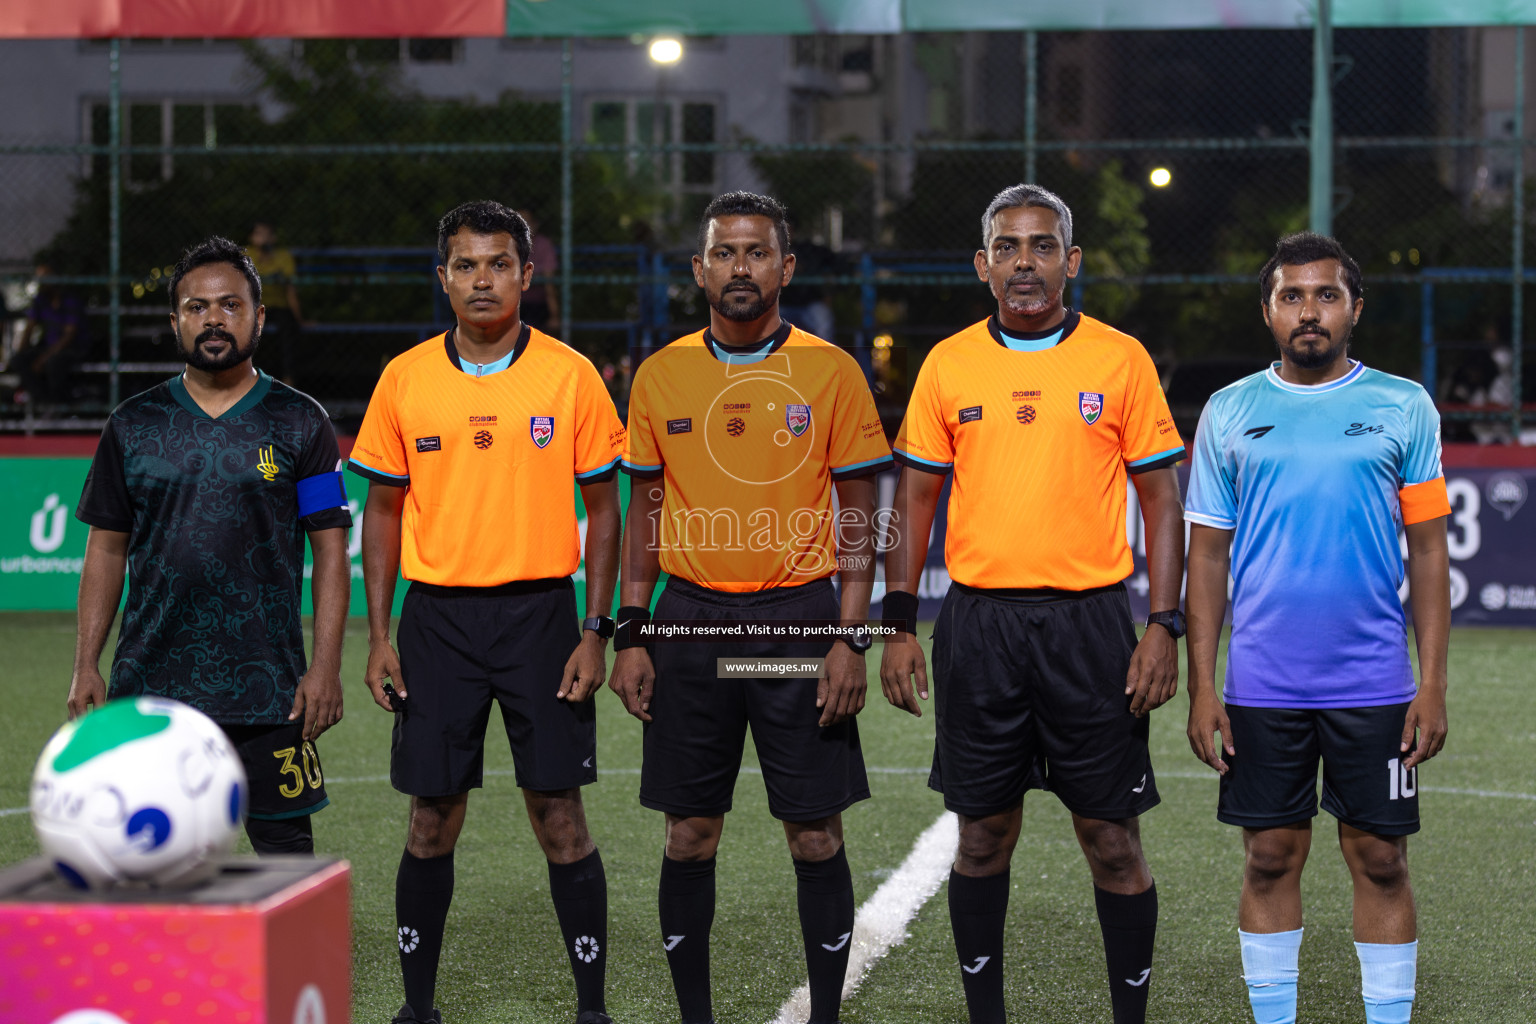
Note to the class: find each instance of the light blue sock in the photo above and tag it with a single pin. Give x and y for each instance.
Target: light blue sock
(1387, 974)
(1270, 969)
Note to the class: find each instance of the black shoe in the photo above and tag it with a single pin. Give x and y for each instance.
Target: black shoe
(593, 1017)
(409, 1016)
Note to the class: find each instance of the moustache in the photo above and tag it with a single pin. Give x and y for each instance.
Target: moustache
(214, 332)
(1317, 329)
(745, 286)
(1023, 279)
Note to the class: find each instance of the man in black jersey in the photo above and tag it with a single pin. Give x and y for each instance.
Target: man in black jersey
(203, 488)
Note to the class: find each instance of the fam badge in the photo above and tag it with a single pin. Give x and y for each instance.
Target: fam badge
(1091, 406)
(542, 430)
(797, 418)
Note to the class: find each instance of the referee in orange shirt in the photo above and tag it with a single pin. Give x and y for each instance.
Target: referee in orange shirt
(738, 436)
(471, 443)
(1039, 412)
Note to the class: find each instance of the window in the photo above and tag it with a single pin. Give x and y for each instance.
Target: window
(636, 121)
(432, 51)
(820, 52)
(177, 45)
(698, 126)
(160, 122)
(389, 51)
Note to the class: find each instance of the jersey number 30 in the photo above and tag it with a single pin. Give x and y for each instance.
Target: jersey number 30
(311, 771)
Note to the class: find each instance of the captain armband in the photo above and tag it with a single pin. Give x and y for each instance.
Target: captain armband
(321, 492)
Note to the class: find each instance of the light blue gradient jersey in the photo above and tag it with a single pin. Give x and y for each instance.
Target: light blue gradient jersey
(1314, 482)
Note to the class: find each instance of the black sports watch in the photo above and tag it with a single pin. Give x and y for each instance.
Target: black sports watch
(1172, 621)
(602, 625)
(860, 641)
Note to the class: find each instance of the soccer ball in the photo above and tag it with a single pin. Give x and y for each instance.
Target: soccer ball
(140, 790)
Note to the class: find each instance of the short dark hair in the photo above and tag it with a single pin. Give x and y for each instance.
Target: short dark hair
(747, 204)
(1015, 196)
(1307, 247)
(215, 250)
(484, 217)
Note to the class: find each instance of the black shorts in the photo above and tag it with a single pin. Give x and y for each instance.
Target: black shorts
(282, 770)
(1031, 695)
(463, 648)
(698, 727)
(1272, 779)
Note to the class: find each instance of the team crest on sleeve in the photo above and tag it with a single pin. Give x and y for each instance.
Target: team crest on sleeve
(797, 418)
(1091, 406)
(542, 430)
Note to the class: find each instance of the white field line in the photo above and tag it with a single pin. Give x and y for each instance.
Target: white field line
(882, 921)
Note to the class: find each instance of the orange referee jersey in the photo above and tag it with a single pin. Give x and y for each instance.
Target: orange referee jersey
(749, 442)
(487, 454)
(1039, 442)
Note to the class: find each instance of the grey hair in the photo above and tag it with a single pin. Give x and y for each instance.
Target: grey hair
(1027, 195)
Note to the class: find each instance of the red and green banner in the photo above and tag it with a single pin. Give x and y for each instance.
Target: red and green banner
(99, 19)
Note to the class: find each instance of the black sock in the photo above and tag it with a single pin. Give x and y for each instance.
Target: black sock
(687, 901)
(978, 907)
(283, 835)
(824, 891)
(423, 891)
(1129, 924)
(580, 892)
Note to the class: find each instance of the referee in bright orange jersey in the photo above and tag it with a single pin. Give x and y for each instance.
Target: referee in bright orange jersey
(472, 442)
(1039, 413)
(738, 437)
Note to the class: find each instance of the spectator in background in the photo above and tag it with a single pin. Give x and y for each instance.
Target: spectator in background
(1484, 379)
(52, 341)
(541, 300)
(285, 317)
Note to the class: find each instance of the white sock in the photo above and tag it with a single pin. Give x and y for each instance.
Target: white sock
(1270, 969)
(1387, 975)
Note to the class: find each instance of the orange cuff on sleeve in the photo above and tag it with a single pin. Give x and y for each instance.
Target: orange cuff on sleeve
(1425, 501)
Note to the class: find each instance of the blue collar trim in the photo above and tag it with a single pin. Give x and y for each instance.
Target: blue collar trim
(1018, 344)
(486, 369)
(738, 357)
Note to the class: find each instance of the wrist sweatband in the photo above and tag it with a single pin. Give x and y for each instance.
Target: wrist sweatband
(899, 611)
(629, 615)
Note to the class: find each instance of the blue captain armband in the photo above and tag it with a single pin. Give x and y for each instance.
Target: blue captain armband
(321, 492)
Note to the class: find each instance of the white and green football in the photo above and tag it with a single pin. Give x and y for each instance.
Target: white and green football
(142, 790)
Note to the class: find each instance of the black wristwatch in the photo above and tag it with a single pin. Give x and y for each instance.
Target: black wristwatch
(602, 625)
(859, 642)
(1172, 621)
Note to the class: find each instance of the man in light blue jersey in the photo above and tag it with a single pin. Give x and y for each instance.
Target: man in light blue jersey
(1302, 476)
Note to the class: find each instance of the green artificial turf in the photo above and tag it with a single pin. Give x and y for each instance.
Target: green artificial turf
(1474, 869)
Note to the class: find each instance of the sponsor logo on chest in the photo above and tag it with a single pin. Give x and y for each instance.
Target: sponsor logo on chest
(266, 461)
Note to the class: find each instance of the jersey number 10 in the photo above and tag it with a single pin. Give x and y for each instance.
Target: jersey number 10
(1401, 783)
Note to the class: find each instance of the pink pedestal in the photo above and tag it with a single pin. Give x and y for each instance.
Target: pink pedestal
(266, 942)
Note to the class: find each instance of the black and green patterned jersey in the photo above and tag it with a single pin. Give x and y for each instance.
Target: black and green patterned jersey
(216, 510)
